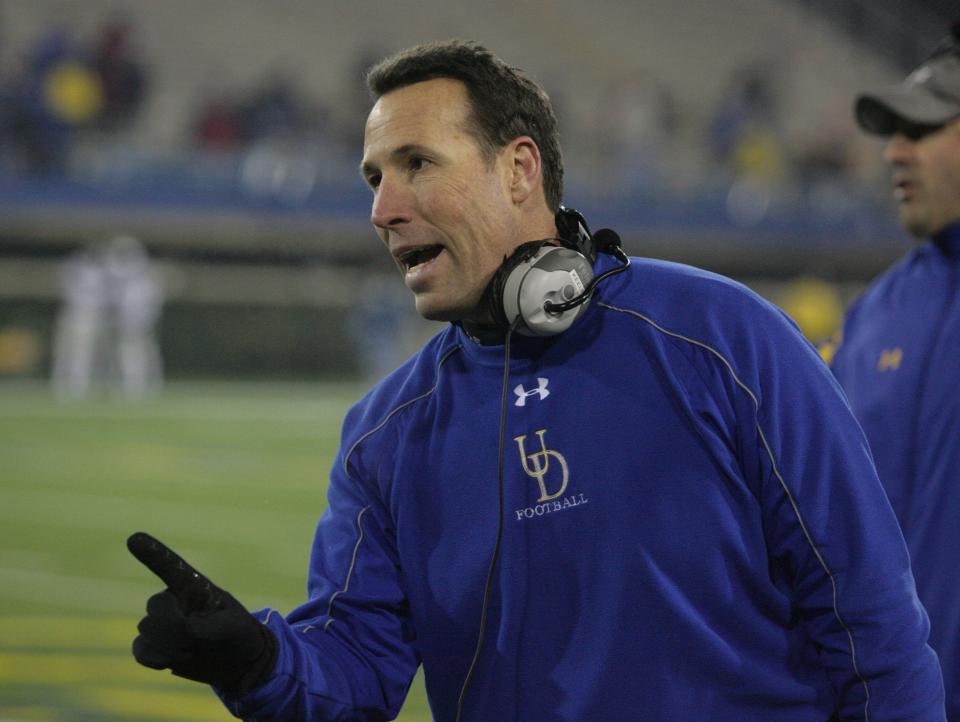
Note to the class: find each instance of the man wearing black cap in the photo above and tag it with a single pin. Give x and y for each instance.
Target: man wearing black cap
(899, 358)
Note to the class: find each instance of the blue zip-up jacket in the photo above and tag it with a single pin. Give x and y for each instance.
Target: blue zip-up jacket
(899, 362)
(692, 530)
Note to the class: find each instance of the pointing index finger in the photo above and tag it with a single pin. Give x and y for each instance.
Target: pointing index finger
(176, 573)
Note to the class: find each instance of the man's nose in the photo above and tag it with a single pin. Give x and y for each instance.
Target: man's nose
(391, 204)
(898, 149)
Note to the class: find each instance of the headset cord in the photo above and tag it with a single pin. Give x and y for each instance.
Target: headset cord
(500, 507)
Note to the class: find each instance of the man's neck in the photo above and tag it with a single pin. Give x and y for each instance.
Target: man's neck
(947, 239)
(484, 334)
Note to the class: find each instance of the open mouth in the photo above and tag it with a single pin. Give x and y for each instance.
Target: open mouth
(902, 190)
(418, 256)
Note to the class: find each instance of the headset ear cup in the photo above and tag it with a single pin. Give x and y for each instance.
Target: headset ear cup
(511, 265)
(551, 273)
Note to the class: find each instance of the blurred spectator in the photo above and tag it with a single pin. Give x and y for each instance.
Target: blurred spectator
(278, 142)
(744, 132)
(62, 89)
(57, 93)
(275, 110)
(136, 297)
(78, 358)
(219, 126)
(122, 76)
(106, 330)
(744, 139)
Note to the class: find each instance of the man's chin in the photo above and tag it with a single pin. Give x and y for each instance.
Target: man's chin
(437, 310)
(915, 225)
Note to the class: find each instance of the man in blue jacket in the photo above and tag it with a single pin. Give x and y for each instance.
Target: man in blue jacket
(899, 358)
(608, 490)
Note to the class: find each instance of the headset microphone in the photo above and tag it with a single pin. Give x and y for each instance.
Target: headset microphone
(606, 241)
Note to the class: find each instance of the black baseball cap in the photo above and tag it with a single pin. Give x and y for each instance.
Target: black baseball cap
(928, 98)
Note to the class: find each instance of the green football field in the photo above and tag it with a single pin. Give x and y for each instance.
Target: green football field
(231, 476)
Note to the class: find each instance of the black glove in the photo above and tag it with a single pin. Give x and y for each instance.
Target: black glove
(198, 630)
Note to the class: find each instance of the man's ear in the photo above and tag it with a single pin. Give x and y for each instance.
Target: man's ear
(526, 171)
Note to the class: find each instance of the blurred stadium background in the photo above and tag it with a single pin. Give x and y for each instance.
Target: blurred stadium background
(224, 135)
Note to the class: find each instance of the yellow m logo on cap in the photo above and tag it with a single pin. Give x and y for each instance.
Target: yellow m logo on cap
(890, 359)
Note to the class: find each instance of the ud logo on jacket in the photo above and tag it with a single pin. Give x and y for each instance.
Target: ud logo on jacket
(539, 465)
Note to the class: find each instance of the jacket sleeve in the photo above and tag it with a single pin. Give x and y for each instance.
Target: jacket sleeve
(831, 532)
(348, 652)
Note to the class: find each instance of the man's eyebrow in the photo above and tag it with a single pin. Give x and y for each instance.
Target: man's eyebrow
(409, 149)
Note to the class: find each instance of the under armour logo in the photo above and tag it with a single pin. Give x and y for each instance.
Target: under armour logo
(522, 393)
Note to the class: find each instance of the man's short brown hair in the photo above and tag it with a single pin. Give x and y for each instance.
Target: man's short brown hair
(505, 102)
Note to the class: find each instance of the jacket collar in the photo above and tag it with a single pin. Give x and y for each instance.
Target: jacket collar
(948, 241)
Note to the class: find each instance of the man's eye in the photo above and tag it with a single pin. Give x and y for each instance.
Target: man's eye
(417, 163)
(917, 131)
(373, 180)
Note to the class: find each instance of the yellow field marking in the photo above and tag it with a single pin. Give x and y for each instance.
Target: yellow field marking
(152, 704)
(72, 668)
(148, 695)
(67, 633)
(88, 659)
(27, 714)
